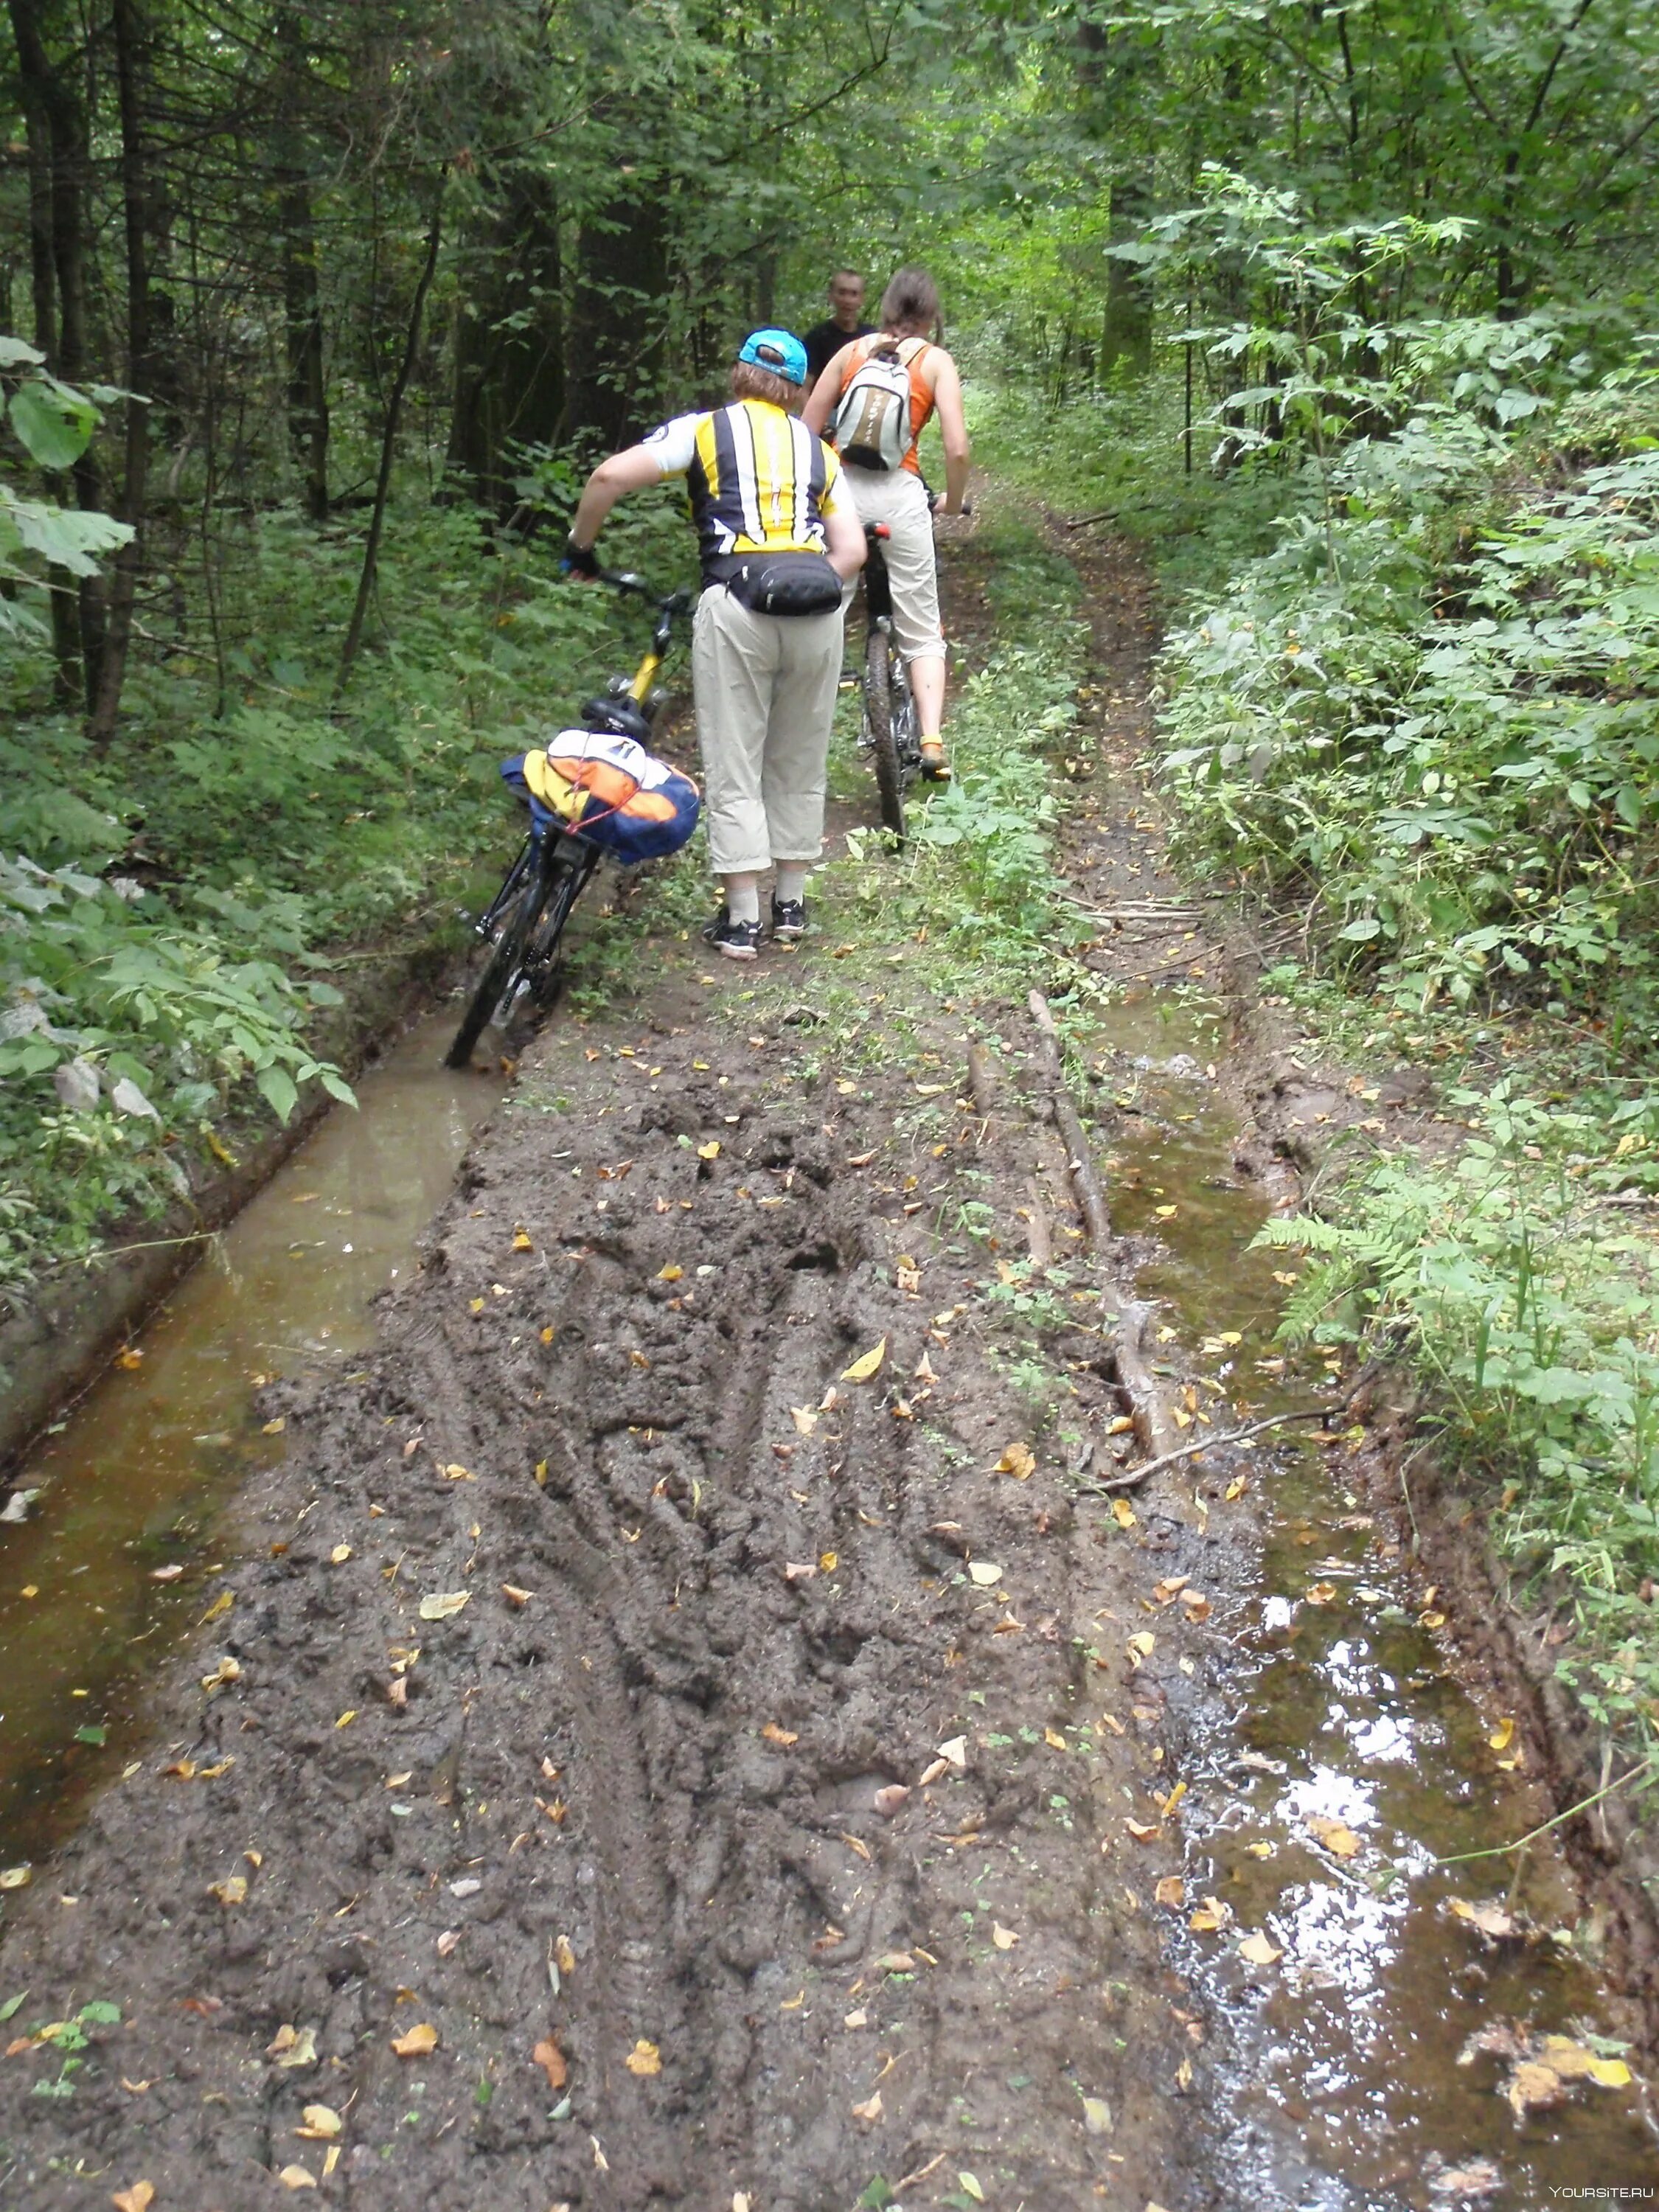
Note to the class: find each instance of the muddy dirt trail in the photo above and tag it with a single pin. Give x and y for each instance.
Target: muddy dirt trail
(673, 1733)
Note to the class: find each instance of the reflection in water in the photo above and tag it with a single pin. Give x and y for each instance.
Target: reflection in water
(1343, 2092)
(115, 1564)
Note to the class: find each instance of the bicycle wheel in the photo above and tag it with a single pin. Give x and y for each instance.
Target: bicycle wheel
(878, 722)
(569, 879)
(504, 965)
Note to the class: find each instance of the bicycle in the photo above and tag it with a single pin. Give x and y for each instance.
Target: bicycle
(525, 920)
(888, 731)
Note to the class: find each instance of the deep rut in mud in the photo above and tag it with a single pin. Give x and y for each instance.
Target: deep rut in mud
(692, 1753)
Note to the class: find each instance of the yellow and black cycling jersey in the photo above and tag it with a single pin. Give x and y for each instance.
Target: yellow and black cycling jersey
(758, 481)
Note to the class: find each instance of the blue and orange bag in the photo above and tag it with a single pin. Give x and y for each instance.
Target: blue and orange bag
(610, 790)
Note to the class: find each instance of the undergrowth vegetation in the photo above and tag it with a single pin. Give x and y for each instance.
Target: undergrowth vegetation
(177, 912)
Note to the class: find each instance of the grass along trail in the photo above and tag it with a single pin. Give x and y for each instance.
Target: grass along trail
(675, 1730)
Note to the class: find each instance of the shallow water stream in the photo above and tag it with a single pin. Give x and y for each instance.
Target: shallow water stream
(105, 1575)
(1343, 2086)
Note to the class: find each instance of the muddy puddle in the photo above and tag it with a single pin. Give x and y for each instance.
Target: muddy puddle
(1341, 2089)
(105, 1575)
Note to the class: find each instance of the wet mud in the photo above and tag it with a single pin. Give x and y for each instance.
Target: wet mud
(674, 1727)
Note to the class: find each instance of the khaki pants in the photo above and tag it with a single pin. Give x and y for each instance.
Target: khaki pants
(899, 501)
(765, 689)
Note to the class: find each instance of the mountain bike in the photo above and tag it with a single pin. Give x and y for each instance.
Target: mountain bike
(888, 731)
(525, 922)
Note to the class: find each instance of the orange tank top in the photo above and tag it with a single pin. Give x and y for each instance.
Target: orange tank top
(921, 399)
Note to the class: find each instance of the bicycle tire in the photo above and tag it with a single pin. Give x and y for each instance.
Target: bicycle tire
(879, 722)
(573, 876)
(502, 968)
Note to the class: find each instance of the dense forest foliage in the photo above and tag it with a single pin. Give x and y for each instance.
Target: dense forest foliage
(313, 314)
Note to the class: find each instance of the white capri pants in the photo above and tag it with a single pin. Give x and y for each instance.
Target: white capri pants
(764, 687)
(899, 499)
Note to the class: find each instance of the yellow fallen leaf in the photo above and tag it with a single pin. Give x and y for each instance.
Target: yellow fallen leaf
(1123, 1513)
(1004, 1938)
(521, 1241)
(339, 1555)
(274, 1428)
(1017, 1460)
(296, 2177)
(292, 2047)
(971, 2187)
(1338, 1839)
(1259, 1850)
(984, 1573)
(773, 1733)
(1096, 2116)
(417, 2042)
(1322, 1593)
(1235, 1488)
(1172, 1890)
(232, 1890)
(443, 1605)
(17, 1877)
(804, 1418)
(1142, 1647)
(347, 1718)
(1572, 2061)
(870, 2108)
(711, 1151)
(1258, 1950)
(322, 2123)
(829, 1561)
(1502, 1736)
(866, 1364)
(1166, 1213)
(644, 2059)
(136, 2199)
(563, 1957)
(670, 1274)
(1211, 1916)
(1489, 1918)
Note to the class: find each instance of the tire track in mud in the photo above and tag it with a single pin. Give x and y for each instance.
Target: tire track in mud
(720, 1536)
(590, 1765)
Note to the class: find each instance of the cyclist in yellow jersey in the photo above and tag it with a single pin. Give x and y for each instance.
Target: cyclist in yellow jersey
(779, 537)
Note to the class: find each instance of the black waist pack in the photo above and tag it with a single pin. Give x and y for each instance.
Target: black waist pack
(780, 583)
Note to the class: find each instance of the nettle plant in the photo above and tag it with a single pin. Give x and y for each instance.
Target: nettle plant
(1434, 707)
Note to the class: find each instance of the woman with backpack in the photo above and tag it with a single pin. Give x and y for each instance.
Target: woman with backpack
(873, 403)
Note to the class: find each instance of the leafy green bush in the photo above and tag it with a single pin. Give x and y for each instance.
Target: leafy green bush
(1437, 715)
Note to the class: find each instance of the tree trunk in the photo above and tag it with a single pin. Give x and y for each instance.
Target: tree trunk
(1126, 332)
(52, 94)
(131, 34)
(616, 314)
(388, 451)
(302, 315)
(67, 685)
(509, 344)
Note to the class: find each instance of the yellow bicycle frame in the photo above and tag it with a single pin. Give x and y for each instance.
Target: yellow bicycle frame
(646, 677)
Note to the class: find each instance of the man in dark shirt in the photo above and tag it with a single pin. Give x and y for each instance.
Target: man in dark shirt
(825, 340)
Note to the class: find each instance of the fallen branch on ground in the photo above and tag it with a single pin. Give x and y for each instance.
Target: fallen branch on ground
(1138, 1475)
(1152, 1423)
